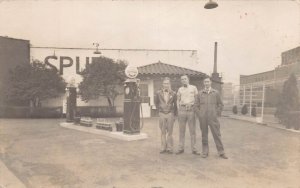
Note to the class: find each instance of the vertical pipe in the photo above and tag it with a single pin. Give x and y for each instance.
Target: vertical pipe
(274, 74)
(234, 96)
(263, 103)
(244, 96)
(215, 57)
(250, 101)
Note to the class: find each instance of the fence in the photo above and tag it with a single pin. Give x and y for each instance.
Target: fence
(250, 100)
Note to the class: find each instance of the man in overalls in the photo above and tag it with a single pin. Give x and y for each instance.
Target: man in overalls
(208, 107)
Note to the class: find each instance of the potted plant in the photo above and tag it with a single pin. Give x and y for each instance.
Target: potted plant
(244, 109)
(234, 109)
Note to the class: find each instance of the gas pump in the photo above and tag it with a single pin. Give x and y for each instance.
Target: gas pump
(132, 102)
(71, 95)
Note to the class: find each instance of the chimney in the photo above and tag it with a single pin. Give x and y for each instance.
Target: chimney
(215, 76)
(215, 58)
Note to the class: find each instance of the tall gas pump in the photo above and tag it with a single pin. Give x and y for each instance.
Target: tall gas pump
(71, 96)
(132, 102)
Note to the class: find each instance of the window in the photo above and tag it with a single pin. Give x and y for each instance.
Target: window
(144, 90)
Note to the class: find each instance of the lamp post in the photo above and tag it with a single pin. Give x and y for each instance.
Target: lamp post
(211, 5)
(97, 49)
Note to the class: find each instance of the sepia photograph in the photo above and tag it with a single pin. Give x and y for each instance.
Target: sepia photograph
(149, 93)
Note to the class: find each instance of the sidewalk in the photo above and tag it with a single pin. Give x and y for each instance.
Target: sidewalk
(8, 179)
(268, 120)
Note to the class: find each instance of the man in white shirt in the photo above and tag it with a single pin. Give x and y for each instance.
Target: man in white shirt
(186, 96)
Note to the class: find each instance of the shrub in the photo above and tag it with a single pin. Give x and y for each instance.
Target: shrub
(288, 103)
(30, 112)
(96, 111)
(244, 109)
(234, 109)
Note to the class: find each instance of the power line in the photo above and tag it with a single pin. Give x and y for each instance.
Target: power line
(116, 49)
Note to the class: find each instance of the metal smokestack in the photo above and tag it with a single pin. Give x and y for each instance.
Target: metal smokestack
(215, 58)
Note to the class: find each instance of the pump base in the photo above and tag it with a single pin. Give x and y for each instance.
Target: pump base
(116, 135)
(130, 132)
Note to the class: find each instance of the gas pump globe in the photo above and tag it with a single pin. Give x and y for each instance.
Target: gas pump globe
(132, 102)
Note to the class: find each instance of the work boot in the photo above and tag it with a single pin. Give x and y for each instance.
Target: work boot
(223, 156)
(179, 152)
(204, 155)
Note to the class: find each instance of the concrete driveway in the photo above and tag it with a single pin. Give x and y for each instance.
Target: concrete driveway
(41, 154)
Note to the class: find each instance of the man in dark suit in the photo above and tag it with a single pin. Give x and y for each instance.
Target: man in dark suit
(208, 107)
(165, 101)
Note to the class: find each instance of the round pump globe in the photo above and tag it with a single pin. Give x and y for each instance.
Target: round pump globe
(131, 71)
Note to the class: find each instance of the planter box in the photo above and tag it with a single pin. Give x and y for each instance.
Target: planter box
(102, 124)
(87, 122)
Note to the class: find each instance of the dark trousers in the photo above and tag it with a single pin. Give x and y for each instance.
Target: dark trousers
(214, 126)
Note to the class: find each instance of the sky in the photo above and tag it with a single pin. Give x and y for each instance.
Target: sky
(251, 34)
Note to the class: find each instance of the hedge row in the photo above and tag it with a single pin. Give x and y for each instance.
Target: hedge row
(96, 111)
(55, 112)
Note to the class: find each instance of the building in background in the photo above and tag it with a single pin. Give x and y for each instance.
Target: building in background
(274, 79)
(291, 56)
(227, 94)
(71, 61)
(153, 66)
(12, 53)
(152, 75)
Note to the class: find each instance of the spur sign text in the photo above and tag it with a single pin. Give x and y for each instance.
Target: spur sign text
(65, 62)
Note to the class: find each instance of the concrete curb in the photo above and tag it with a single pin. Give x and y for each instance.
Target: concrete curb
(116, 135)
(248, 119)
(253, 120)
(8, 179)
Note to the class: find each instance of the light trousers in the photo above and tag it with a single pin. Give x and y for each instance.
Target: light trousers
(166, 122)
(186, 117)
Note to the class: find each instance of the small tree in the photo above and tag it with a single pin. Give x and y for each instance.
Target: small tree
(33, 83)
(288, 101)
(234, 109)
(103, 77)
(244, 109)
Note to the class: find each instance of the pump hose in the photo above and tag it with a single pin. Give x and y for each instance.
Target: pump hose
(142, 117)
(132, 112)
